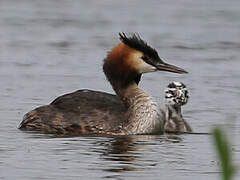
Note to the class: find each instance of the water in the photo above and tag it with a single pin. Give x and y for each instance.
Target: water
(49, 48)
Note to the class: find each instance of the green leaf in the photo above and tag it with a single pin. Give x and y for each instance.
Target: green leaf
(224, 154)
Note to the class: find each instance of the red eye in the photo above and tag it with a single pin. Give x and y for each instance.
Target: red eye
(175, 93)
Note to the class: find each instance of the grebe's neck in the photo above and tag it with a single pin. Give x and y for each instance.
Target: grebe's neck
(143, 115)
(126, 92)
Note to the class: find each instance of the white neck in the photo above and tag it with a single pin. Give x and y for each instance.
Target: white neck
(143, 116)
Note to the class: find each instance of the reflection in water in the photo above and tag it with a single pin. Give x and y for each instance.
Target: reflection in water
(124, 153)
(122, 150)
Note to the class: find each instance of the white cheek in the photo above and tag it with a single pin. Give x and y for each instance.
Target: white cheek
(140, 65)
(145, 68)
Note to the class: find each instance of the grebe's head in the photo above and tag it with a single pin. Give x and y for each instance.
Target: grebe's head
(176, 94)
(133, 57)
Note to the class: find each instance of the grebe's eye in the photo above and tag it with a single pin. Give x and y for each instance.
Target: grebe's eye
(145, 58)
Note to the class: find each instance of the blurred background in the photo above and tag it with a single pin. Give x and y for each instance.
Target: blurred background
(52, 47)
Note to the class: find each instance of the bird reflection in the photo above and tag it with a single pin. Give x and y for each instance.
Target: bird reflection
(126, 153)
(122, 149)
(125, 150)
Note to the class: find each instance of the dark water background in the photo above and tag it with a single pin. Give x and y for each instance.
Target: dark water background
(48, 48)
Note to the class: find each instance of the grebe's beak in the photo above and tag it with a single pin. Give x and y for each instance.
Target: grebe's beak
(162, 66)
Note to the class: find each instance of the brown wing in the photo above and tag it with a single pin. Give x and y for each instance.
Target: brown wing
(80, 112)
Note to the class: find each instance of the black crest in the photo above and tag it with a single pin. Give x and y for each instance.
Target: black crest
(137, 43)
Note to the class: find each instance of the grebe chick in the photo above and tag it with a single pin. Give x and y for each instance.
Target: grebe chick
(132, 111)
(176, 95)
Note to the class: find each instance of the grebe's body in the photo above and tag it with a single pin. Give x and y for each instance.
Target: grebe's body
(176, 95)
(132, 111)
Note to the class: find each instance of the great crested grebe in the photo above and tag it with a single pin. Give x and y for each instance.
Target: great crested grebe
(132, 111)
(176, 95)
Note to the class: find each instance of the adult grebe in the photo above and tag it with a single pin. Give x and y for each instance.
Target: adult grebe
(176, 95)
(132, 111)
